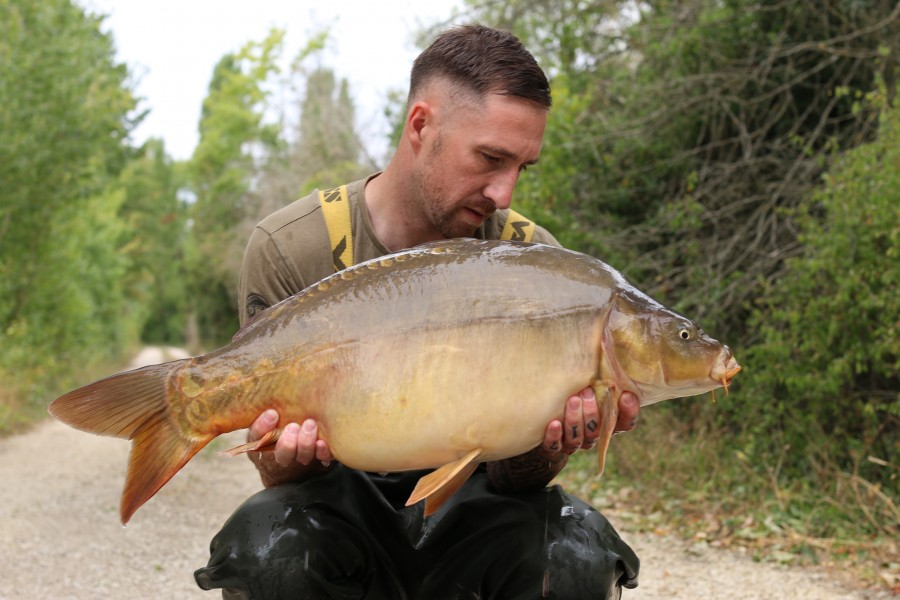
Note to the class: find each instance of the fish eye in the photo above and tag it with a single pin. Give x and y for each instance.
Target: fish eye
(684, 333)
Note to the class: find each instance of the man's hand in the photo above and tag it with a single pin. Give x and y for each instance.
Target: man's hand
(580, 427)
(298, 452)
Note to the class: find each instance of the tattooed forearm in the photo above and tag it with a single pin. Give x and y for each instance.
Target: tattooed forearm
(526, 472)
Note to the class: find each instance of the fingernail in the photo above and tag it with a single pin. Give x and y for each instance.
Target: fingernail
(291, 429)
(270, 416)
(588, 394)
(309, 426)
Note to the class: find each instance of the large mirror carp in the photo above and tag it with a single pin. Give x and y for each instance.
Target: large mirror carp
(442, 356)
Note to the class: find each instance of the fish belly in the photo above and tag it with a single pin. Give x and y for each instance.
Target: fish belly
(425, 399)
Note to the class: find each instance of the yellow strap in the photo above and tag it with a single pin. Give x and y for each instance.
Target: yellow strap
(517, 228)
(336, 210)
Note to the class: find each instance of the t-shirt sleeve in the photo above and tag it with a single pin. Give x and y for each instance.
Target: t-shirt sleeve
(265, 278)
(542, 236)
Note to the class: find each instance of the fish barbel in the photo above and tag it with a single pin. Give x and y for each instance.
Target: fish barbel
(443, 356)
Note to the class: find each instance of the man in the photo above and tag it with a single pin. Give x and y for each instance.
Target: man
(475, 120)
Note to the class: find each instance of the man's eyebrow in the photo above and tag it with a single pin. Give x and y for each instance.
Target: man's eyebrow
(504, 153)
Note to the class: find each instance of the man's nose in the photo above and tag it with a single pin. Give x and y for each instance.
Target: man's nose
(501, 187)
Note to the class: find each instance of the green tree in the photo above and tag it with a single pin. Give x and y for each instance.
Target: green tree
(233, 140)
(65, 113)
(738, 118)
(154, 244)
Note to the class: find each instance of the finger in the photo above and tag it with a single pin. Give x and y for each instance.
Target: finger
(573, 428)
(306, 442)
(323, 452)
(553, 437)
(263, 424)
(286, 446)
(591, 413)
(629, 407)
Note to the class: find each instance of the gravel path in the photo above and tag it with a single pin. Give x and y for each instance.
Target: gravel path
(60, 535)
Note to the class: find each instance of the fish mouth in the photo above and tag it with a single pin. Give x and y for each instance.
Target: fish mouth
(726, 377)
(725, 370)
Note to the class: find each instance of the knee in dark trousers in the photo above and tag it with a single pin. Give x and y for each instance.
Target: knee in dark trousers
(544, 544)
(280, 545)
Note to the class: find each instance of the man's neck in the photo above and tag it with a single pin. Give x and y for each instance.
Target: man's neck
(396, 221)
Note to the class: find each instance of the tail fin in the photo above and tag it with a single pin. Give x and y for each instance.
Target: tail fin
(134, 405)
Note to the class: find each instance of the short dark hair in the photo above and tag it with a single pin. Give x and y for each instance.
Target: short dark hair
(485, 60)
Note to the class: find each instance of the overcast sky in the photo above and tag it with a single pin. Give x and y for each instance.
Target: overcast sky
(173, 45)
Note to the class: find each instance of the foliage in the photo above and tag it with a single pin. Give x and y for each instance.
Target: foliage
(65, 107)
(154, 245)
(324, 142)
(743, 98)
(829, 357)
(233, 137)
(322, 151)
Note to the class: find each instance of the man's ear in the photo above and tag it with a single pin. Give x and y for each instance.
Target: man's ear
(418, 120)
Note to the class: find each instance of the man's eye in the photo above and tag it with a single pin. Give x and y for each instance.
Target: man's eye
(491, 159)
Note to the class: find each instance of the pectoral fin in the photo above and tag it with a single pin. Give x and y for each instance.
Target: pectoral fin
(264, 444)
(609, 414)
(439, 485)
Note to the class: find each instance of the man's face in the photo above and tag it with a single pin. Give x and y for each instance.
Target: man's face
(471, 160)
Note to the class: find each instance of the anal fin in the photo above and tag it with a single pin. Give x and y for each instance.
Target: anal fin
(436, 487)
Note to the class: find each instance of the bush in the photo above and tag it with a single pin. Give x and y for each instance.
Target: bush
(828, 357)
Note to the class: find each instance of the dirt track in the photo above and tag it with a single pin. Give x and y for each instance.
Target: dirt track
(60, 535)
